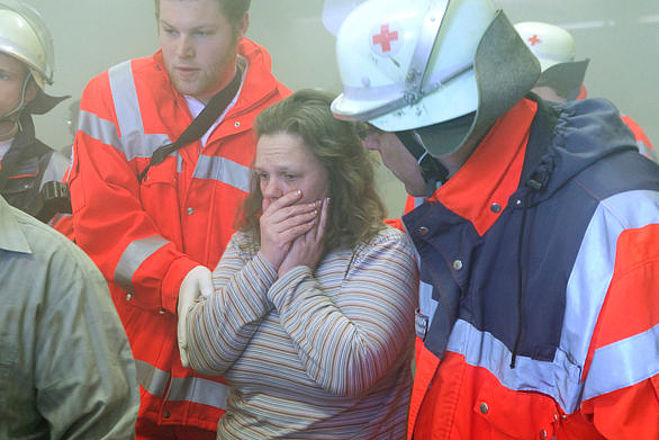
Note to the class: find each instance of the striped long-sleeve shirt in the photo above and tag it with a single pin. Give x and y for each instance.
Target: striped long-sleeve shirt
(313, 354)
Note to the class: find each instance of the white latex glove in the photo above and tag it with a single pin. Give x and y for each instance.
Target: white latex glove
(198, 282)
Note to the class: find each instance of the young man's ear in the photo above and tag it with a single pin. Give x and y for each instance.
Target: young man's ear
(242, 28)
(32, 91)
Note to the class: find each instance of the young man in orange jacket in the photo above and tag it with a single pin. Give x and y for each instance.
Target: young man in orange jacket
(155, 228)
(538, 315)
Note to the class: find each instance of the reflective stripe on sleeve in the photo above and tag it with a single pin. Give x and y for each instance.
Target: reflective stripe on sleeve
(223, 170)
(623, 364)
(189, 389)
(134, 255)
(97, 128)
(593, 268)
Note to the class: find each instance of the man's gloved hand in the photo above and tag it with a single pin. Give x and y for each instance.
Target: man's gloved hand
(198, 282)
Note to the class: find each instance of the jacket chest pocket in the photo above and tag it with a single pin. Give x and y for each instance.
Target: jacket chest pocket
(159, 194)
(515, 414)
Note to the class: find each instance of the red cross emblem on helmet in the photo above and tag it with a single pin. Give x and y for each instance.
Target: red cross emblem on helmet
(385, 40)
(534, 40)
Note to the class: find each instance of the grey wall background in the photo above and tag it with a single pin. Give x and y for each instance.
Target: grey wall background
(620, 37)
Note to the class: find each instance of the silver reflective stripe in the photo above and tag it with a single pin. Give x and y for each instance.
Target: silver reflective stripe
(134, 255)
(623, 363)
(593, 267)
(646, 151)
(198, 390)
(190, 389)
(55, 170)
(100, 129)
(152, 379)
(427, 305)
(134, 142)
(558, 379)
(223, 170)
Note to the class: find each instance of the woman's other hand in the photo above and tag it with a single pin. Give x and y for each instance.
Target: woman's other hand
(282, 222)
(308, 248)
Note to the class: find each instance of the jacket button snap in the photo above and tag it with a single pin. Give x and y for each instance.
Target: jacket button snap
(129, 297)
(543, 434)
(161, 311)
(236, 124)
(484, 408)
(495, 208)
(423, 231)
(457, 265)
(190, 211)
(166, 414)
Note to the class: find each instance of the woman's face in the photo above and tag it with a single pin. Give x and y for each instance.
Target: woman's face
(283, 164)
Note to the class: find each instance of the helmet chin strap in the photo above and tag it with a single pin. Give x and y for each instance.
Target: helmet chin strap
(14, 114)
(432, 170)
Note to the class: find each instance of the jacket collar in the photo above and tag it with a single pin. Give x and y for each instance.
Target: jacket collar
(480, 189)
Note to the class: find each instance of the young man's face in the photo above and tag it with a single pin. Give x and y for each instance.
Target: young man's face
(199, 46)
(12, 76)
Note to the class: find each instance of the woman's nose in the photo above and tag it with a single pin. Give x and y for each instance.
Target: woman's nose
(271, 188)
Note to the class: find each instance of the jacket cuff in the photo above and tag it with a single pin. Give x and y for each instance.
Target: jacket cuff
(172, 280)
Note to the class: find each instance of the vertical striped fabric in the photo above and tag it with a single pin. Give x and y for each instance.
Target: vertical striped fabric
(313, 355)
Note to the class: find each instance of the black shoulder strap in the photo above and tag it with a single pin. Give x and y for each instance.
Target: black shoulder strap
(199, 125)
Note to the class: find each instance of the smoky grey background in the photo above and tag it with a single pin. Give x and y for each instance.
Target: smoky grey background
(620, 37)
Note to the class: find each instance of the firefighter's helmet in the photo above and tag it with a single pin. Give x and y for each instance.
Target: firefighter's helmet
(412, 64)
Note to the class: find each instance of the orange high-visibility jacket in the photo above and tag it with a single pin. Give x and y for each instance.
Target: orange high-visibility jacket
(548, 253)
(146, 237)
(643, 143)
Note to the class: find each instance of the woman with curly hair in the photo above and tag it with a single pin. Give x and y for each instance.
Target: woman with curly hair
(312, 317)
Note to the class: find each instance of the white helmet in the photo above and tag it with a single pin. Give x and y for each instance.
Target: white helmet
(415, 63)
(556, 51)
(549, 43)
(24, 35)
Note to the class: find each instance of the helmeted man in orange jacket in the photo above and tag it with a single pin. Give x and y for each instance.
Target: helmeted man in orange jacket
(562, 75)
(154, 227)
(538, 238)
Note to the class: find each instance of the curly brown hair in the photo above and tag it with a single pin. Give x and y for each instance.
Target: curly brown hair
(356, 211)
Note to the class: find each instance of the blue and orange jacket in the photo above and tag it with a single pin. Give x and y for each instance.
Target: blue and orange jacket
(146, 237)
(539, 312)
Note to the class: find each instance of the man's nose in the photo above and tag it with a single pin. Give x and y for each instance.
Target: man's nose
(185, 47)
